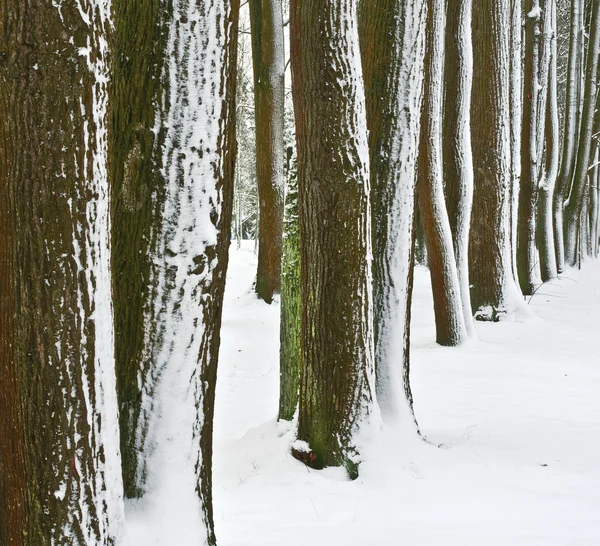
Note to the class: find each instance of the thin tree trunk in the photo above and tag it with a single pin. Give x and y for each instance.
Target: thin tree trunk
(449, 317)
(392, 38)
(335, 226)
(575, 204)
(489, 254)
(526, 251)
(266, 24)
(172, 158)
(291, 301)
(457, 152)
(60, 480)
(567, 163)
(545, 238)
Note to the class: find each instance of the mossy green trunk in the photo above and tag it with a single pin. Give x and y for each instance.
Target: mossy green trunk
(291, 303)
(334, 209)
(58, 419)
(138, 43)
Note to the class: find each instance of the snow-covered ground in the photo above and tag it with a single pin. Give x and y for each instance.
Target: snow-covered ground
(512, 420)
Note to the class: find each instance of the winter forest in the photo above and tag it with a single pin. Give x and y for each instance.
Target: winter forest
(299, 272)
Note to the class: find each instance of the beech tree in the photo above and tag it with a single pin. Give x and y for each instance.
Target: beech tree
(392, 39)
(449, 317)
(59, 460)
(489, 246)
(172, 159)
(456, 142)
(336, 382)
(266, 24)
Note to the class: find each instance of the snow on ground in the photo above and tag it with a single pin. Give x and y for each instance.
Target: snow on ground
(512, 421)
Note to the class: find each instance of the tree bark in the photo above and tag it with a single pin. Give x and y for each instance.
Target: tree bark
(60, 481)
(449, 317)
(567, 162)
(392, 38)
(526, 250)
(291, 301)
(574, 206)
(266, 25)
(489, 253)
(172, 161)
(457, 152)
(545, 232)
(333, 181)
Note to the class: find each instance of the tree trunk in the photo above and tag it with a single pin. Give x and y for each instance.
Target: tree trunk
(335, 227)
(392, 36)
(291, 302)
(526, 250)
(60, 480)
(172, 159)
(545, 238)
(489, 253)
(457, 152)
(266, 24)
(574, 206)
(567, 163)
(449, 317)
(138, 47)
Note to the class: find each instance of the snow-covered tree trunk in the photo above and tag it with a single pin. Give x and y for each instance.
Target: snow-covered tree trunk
(172, 157)
(337, 379)
(489, 256)
(457, 151)
(526, 250)
(60, 479)
(549, 172)
(291, 304)
(575, 203)
(392, 36)
(567, 162)
(266, 24)
(449, 317)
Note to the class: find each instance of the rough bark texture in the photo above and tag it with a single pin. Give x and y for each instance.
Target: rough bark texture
(333, 182)
(291, 303)
(489, 258)
(172, 161)
(449, 317)
(59, 477)
(526, 250)
(545, 231)
(137, 186)
(268, 63)
(576, 201)
(456, 142)
(392, 36)
(567, 162)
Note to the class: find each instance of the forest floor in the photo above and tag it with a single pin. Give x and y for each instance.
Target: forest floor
(512, 420)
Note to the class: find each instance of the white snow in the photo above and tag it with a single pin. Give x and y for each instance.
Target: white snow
(512, 420)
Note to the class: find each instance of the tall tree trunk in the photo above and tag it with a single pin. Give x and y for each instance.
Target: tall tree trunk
(60, 480)
(392, 36)
(567, 162)
(489, 254)
(266, 25)
(138, 47)
(335, 227)
(574, 206)
(545, 238)
(172, 161)
(457, 152)
(526, 250)
(291, 300)
(449, 317)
